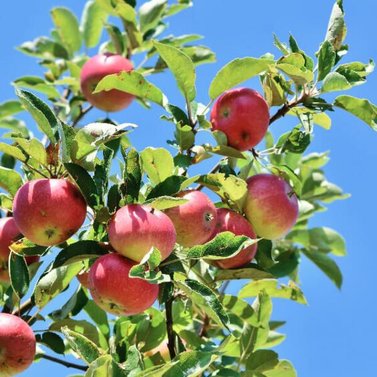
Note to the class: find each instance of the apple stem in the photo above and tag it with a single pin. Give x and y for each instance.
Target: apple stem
(63, 362)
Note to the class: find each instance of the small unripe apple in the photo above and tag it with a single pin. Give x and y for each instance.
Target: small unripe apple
(95, 69)
(136, 228)
(231, 221)
(243, 115)
(17, 345)
(114, 291)
(49, 211)
(271, 206)
(83, 278)
(195, 220)
(9, 233)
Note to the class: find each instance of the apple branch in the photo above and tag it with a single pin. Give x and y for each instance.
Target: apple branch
(83, 112)
(63, 362)
(169, 327)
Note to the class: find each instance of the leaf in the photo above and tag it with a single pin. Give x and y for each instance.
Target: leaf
(44, 48)
(67, 27)
(182, 68)
(84, 347)
(205, 298)
(85, 183)
(184, 135)
(54, 282)
(101, 367)
(82, 327)
(169, 187)
(326, 59)
(19, 275)
(52, 341)
(224, 150)
(134, 83)
(38, 84)
(333, 82)
(223, 246)
(236, 72)
(150, 14)
(165, 202)
(10, 108)
(273, 289)
(336, 29)
(262, 360)
(10, 180)
(299, 75)
(33, 148)
(92, 23)
(327, 265)
(132, 176)
(10, 150)
(361, 108)
(26, 247)
(356, 72)
(78, 251)
(243, 273)
(283, 369)
(157, 163)
(42, 114)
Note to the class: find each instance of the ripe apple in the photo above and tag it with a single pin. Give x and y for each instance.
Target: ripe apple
(114, 291)
(136, 228)
(17, 345)
(195, 220)
(228, 220)
(49, 211)
(9, 233)
(97, 68)
(271, 206)
(243, 115)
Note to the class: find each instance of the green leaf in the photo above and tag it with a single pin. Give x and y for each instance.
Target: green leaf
(327, 265)
(273, 289)
(67, 27)
(92, 22)
(326, 60)
(52, 341)
(253, 273)
(336, 29)
(84, 347)
(273, 90)
(236, 72)
(42, 114)
(33, 148)
(262, 360)
(224, 150)
(10, 180)
(102, 367)
(19, 274)
(205, 299)
(132, 176)
(10, 108)
(184, 136)
(157, 163)
(165, 202)
(223, 246)
(182, 68)
(321, 239)
(334, 82)
(169, 187)
(26, 247)
(134, 83)
(78, 251)
(356, 72)
(82, 327)
(44, 48)
(38, 84)
(150, 14)
(300, 75)
(10, 150)
(361, 108)
(85, 183)
(99, 317)
(54, 282)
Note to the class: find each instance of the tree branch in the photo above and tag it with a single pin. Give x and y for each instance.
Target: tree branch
(63, 362)
(24, 308)
(169, 327)
(81, 115)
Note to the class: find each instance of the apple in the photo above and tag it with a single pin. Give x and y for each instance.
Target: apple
(271, 206)
(9, 233)
(97, 68)
(114, 291)
(17, 345)
(195, 220)
(83, 278)
(231, 221)
(49, 211)
(135, 229)
(242, 114)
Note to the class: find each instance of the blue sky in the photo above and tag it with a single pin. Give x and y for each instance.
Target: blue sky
(334, 335)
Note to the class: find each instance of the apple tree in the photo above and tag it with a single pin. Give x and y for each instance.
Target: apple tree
(147, 241)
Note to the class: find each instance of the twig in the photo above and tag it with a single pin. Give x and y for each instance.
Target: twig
(81, 115)
(63, 362)
(169, 327)
(24, 308)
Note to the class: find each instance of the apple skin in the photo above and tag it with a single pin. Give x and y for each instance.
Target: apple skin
(195, 220)
(95, 69)
(243, 115)
(9, 233)
(271, 206)
(83, 278)
(17, 345)
(231, 221)
(114, 291)
(135, 229)
(49, 211)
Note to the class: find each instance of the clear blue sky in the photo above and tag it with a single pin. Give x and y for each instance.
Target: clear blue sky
(334, 335)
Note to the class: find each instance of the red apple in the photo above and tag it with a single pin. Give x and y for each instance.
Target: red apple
(114, 291)
(228, 220)
(17, 345)
(136, 228)
(97, 68)
(195, 220)
(271, 206)
(243, 115)
(49, 211)
(9, 233)
(83, 278)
